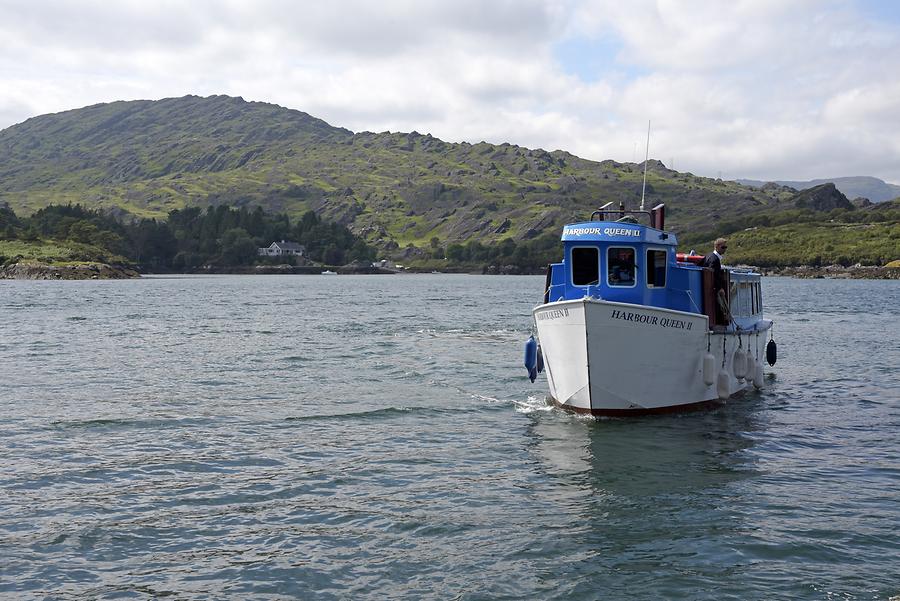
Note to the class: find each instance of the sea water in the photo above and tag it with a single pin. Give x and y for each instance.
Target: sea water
(376, 437)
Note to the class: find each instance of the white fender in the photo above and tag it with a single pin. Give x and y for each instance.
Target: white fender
(723, 385)
(739, 364)
(709, 369)
(749, 368)
(758, 375)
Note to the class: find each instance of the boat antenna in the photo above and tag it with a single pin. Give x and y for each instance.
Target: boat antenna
(646, 160)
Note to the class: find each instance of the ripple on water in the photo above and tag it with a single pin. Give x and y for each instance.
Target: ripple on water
(381, 444)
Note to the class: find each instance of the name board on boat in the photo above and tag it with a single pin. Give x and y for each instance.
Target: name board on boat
(552, 314)
(578, 231)
(651, 320)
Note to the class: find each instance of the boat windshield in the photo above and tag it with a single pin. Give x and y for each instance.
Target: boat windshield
(620, 266)
(585, 266)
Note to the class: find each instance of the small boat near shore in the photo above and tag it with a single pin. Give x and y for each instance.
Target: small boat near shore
(329, 272)
(628, 326)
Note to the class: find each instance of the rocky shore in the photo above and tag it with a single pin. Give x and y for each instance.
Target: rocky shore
(80, 271)
(856, 272)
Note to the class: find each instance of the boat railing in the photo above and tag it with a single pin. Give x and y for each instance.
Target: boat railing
(656, 216)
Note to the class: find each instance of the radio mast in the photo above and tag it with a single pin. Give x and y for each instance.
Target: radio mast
(646, 160)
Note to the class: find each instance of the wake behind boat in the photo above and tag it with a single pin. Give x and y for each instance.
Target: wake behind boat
(630, 327)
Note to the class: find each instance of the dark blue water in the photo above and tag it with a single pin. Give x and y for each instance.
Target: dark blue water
(376, 438)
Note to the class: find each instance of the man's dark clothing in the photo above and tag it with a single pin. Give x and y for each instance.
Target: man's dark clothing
(713, 261)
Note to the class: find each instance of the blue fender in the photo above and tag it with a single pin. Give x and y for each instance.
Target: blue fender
(771, 352)
(531, 357)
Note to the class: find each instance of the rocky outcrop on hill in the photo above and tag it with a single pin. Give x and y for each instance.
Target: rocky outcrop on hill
(822, 198)
(83, 271)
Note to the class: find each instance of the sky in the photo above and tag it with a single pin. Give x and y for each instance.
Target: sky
(760, 89)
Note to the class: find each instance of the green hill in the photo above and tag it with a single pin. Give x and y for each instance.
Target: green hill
(147, 158)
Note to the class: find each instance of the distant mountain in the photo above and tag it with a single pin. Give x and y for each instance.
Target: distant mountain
(397, 190)
(872, 188)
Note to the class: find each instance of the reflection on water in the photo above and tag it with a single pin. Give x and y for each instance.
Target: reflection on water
(657, 499)
(641, 456)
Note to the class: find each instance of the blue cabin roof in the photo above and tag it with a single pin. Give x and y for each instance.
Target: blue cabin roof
(618, 261)
(629, 262)
(623, 262)
(614, 231)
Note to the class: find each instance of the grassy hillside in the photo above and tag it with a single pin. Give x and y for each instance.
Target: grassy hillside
(149, 157)
(804, 236)
(55, 252)
(816, 244)
(146, 157)
(405, 193)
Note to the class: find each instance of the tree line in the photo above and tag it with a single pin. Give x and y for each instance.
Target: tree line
(189, 238)
(526, 256)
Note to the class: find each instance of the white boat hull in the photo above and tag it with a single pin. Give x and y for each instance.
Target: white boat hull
(608, 358)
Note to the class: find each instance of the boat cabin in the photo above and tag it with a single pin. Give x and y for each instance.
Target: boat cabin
(616, 258)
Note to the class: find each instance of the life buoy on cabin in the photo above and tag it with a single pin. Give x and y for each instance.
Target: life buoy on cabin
(709, 369)
(723, 385)
(687, 258)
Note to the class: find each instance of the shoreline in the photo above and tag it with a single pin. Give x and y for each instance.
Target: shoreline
(80, 271)
(103, 271)
(837, 272)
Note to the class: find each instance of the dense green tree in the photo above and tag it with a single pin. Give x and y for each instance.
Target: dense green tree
(153, 243)
(332, 255)
(237, 247)
(457, 253)
(9, 222)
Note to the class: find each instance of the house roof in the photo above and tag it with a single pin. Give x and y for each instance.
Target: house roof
(288, 245)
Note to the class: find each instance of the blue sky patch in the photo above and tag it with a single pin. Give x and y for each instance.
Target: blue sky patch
(594, 59)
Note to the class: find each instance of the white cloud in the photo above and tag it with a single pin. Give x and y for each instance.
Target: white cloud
(766, 89)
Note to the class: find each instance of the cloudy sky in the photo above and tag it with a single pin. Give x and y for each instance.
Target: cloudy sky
(766, 89)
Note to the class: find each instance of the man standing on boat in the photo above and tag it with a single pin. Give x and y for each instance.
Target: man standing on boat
(714, 262)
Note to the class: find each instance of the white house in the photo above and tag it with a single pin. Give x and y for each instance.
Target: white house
(280, 249)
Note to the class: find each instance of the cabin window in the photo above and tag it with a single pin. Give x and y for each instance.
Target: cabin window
(585, 266)
(656, 268)
(620, 266)
(745, 299)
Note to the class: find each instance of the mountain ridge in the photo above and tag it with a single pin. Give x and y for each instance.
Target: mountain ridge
(397, 190)
(860, 186)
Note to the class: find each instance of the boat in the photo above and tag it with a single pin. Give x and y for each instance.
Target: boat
(329, 272)
(628, 326)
